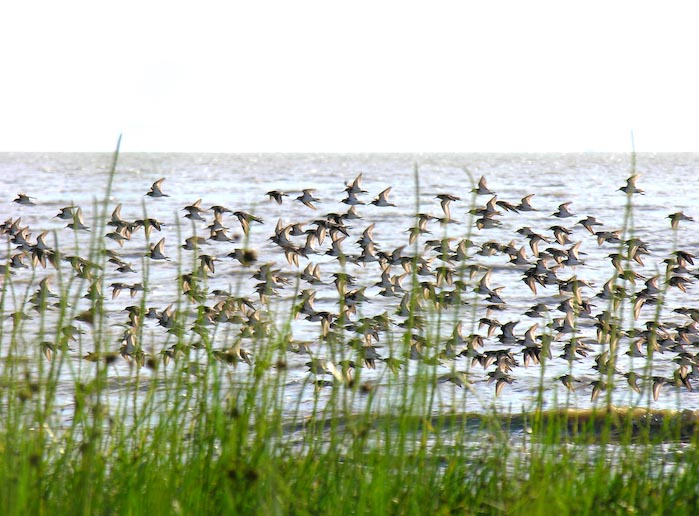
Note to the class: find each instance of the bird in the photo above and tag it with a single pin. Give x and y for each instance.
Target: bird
(420, 228)
(458, 378)
(24, 200)
(525, 203)
(573, 254)
(118, 236)
(568, 381)
(220, 210)
(194, 210)
(157, 251)
(124, 268)
(193, 242)
(307, 198)
(676, 218)
(352, 199)
(65, 213)
(355, 187)
(156, 189)
(658, 382)
(246, 257)
(632, 380)
(311, 274)
(445, 201)
(507, 336)
(78, 222)
(276, 196)
(220, 235)
(482, 188)
(351, 214)
(382, 198)
(519, 258)
(489, 210)
(501, 378)
(484, 284)
(207, 263)
(537, 311)
(563, 211)
(561, 234)
(245, 219)
(117, 221)
(589, 222)
(597, 387)
(367, 235)
(486, 222)
(148, 224)
(609, 237)
(630, 187)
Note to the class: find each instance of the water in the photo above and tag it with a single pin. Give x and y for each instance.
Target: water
(589, 181)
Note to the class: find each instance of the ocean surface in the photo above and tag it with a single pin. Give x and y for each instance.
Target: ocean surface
(589, 182)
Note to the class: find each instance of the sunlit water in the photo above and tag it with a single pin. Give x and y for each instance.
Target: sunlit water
(590, 182)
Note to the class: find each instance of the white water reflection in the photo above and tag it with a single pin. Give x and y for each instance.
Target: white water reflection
(240, 182)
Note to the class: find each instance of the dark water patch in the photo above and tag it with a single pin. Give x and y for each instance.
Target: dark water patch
(615, 424)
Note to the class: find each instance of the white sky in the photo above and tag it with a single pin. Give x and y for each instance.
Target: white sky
(353, 76)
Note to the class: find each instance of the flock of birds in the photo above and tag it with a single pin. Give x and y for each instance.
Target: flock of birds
(329, 262)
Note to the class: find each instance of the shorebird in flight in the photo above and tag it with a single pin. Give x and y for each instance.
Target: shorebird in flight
(307, 198)
(156, 189)
(630, 187)
(24, 199)
(382, 198)
(482, 188)
(277, 196)
(157, 251)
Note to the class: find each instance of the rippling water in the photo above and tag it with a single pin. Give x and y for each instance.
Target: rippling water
(589, 181)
